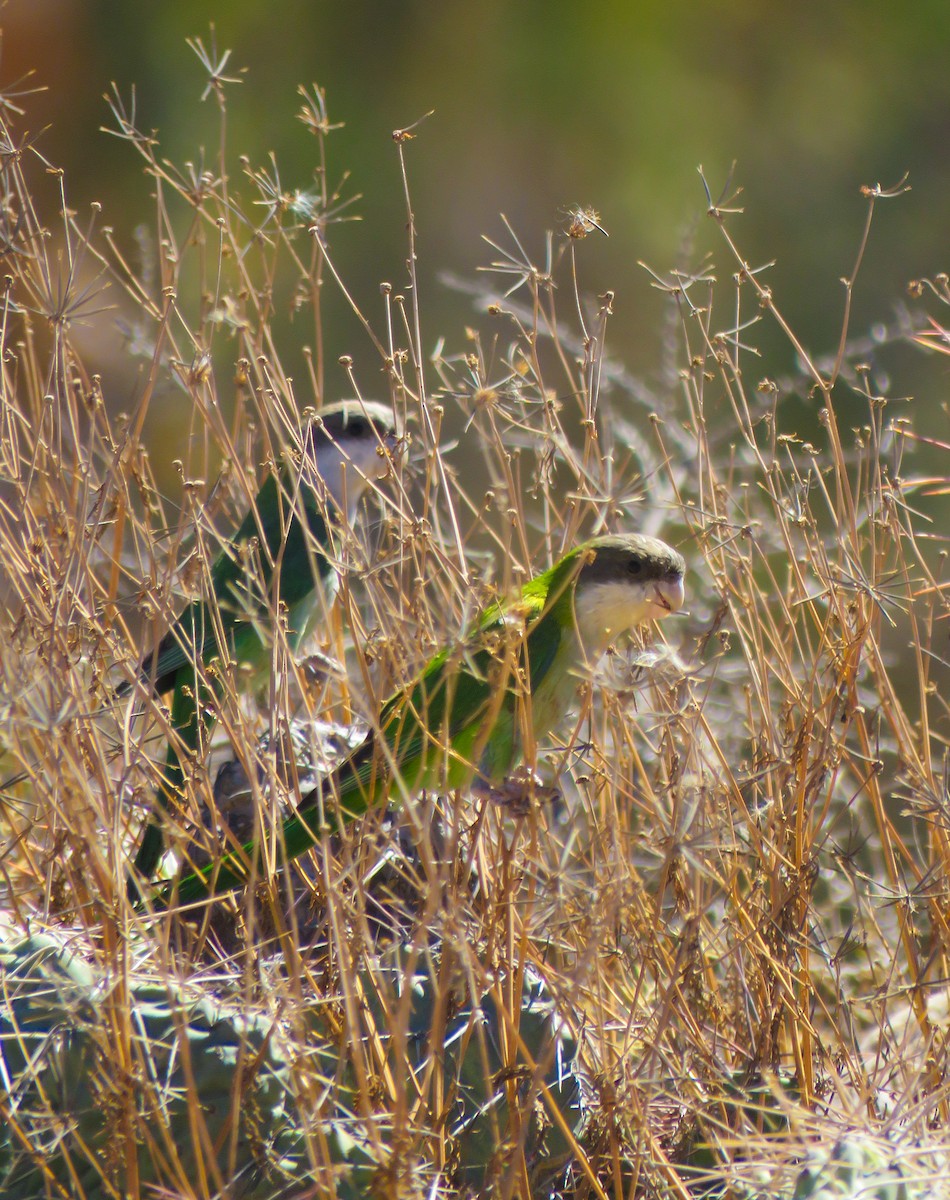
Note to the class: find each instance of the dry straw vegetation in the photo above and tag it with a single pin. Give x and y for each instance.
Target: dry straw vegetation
(714, 964)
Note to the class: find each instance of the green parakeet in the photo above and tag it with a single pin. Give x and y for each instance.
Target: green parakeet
(278, 559)
(476, 708)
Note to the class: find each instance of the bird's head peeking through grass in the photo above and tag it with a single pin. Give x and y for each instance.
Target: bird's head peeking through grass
(347, 447)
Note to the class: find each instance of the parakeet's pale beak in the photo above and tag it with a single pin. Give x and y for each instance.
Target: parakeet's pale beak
(669, 595)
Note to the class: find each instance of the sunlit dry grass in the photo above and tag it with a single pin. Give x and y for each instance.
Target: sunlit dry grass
(723, 947)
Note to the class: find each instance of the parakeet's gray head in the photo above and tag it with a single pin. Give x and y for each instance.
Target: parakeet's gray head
(349, 445)
(623, 581)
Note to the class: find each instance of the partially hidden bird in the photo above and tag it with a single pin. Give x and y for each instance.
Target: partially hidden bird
(478, 707)
(279, 560)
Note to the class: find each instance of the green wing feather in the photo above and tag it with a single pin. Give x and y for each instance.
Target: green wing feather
(282, 536)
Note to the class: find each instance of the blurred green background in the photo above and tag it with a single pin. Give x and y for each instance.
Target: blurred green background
(539, 106)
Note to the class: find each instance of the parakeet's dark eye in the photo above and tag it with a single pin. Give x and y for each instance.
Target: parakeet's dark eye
(634, 566)
(358, 427)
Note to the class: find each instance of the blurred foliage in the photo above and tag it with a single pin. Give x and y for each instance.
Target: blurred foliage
(539, 106)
